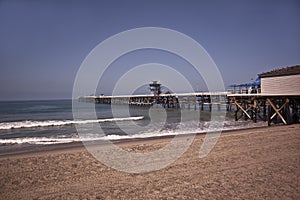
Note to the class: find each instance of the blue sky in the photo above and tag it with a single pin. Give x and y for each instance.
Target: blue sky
(43, 43)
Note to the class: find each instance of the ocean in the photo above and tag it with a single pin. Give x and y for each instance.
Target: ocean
(29, 125)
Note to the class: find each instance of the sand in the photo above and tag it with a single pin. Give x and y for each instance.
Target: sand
(261, 163)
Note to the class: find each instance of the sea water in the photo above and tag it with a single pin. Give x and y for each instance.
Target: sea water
(38, 123)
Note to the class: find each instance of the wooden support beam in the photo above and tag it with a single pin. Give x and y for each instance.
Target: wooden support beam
(242, 109)
(282, 106)
(254, 112)
(236, 109)
(277, 111)
(264, 110)
(269, 114)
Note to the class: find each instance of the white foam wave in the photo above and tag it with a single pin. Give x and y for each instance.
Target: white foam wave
(32, 124)
(182, 130)
(37, 140)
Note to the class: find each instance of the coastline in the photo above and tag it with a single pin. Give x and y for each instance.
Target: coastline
(250, 163)
(33, 149)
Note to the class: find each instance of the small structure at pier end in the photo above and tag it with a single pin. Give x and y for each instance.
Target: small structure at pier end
(155, 88)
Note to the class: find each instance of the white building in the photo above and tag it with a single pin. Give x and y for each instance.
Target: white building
(285, 81)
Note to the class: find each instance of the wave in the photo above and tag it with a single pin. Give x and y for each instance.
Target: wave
(32, 124)
(38, 140)
(149, 134)
(228, 126)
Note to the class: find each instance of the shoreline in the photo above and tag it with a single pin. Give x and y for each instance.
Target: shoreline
(33, 149)
(256, 163)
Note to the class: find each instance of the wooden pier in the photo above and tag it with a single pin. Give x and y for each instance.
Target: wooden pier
(272, 108)
(199, 100)
(274, 97)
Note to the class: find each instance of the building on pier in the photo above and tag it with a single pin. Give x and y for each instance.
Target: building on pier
(285, 81)
(278, 102)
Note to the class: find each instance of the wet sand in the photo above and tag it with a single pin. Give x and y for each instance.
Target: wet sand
(261, 163)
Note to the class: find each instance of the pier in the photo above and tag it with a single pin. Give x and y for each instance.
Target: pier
(198, 100)
(272, 108)
(273, 97)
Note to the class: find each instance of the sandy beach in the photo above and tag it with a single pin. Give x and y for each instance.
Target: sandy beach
(261, 163)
